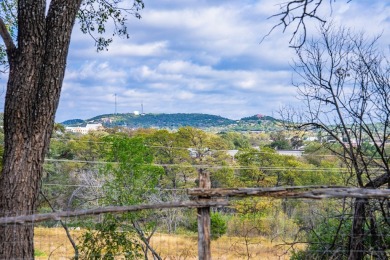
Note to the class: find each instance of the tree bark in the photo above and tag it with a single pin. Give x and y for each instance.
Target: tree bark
(356, 247)
(37, 67)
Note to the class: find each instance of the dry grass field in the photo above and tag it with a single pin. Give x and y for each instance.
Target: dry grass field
(52, 243)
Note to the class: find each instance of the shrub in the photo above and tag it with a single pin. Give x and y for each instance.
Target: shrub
(218, 225)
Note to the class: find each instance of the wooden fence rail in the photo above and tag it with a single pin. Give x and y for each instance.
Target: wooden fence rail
(310, 192)
(36, 218)
(215, 200)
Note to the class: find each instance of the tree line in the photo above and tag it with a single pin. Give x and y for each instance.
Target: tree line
(153, 166)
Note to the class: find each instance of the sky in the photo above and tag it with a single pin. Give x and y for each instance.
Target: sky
(198, 56)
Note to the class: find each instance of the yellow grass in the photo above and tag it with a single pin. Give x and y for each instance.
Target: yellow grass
(224, 248)
(52, 243)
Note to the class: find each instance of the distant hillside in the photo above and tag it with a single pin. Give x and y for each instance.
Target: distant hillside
(74, 122)
(156, 120)
(259, 118)
(258, 123)
(173, 121)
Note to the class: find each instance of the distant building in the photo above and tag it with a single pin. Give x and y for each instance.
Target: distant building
(297, 153)
(84, 129)
(311, 138)
(136, 113)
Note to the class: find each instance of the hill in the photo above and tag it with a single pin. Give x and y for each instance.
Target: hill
(173, 121)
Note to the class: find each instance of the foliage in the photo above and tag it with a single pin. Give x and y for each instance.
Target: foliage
(258, 117)
(328, 232)
(61, 149)
(177, 120)
(89, 147)
(259, 139)
(108, 241)
(259, 206)
(172, 151)
(129, 181)
(132, 178)
(280, 141)
(223, 178)
(218, 225)
(261, 217)
(39, 253)
(236, 140)
(323, 242)
(94, 15)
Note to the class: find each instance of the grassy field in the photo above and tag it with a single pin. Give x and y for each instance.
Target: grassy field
(52, 243)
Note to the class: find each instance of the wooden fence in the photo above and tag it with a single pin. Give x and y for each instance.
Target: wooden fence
(205, 198)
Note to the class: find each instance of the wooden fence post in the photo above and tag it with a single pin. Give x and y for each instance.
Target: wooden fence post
(204, 234)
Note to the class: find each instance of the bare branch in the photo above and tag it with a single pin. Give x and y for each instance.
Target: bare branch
(296, 12)
(9, 43)
(76, 251)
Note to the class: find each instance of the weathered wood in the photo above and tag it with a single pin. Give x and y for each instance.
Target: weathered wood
(36, 71)
(204, 234)
(204, 220)
(87, 212)
(277, 192)
(316, 192)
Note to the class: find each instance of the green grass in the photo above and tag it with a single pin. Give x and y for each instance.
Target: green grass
(39, 253)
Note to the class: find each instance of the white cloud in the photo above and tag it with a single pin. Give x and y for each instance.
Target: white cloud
(197, 56)
(143, 50)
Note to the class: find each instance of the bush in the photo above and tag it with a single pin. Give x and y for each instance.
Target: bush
(218, 225)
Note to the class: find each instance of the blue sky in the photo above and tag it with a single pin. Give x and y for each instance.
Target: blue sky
(198, 56)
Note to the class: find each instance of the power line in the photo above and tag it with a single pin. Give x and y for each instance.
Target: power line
(77, 161)
(215, 150)
(101, 186)
(209, 166)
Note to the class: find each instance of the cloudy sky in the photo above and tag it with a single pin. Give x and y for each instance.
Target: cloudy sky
(198, 56)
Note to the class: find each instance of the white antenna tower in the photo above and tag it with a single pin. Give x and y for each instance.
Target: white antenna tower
(115, 103)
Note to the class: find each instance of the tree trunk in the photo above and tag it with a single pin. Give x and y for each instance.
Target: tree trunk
(356, 248)
(37, 67)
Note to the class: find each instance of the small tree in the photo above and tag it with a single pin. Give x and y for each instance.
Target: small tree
(130, 180)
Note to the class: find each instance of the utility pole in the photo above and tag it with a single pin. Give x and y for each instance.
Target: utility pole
(115, 103)
(204, 221)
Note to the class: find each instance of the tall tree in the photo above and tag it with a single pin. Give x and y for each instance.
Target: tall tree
(36, 36)
(345, 84)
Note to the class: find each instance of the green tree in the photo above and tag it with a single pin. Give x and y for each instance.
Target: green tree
(132, 175)
(257, 163)
(172, 152)
(280, 141)
(90, 147)
(236, 140)
(205, 150)
(105, 241)
(130, 180)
